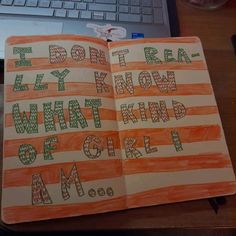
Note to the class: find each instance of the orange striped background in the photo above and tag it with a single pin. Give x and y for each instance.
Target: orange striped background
(162, 136)
(152, 197)
(105, 169)
(184, 40)
(14, 40)
(180, 193)
(158, 136)
(194, 65)
(88, 171)
(43, 64)
(66, 142)
(190, 111)
(182, 90)
(27, 213)
(92, 170)
(176, 163)
(71, 89)
(89, 89)
(106, 114)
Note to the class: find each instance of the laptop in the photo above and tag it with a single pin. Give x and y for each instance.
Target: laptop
(108, 19)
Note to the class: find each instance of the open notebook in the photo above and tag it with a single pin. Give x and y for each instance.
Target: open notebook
(93, 127)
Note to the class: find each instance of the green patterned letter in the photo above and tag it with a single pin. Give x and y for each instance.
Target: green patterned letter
(61, 76)
(94, 103)
(22, 122)
(22, 51)
(18, 86)
(183, 56)
(150, 55)
(27, 154)
(38, 84)
(49, 114)
(48, 147)
(75, 115)
(168, 54)
(176, 141)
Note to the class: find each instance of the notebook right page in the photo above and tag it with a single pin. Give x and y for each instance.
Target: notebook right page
(173, 145)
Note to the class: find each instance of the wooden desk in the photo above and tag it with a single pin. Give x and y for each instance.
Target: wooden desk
(215, 29)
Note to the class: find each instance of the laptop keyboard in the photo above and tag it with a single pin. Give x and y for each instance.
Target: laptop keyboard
(136, 11)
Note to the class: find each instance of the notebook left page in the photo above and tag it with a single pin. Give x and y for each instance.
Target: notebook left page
(61, 145)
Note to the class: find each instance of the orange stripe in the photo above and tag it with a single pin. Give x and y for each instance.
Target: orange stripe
(87, 170)
(152, 197)
(138, 65)
(71, 89)
(162, 136)
(104, 169)
(32, 213)
(156, 40)
(190, 111)
(204, 110)
(105, 114)
(43, 64)
(175, 163)
(45, 38)
(159, 136)
(180, 193)
(66, 142)
(182, 90)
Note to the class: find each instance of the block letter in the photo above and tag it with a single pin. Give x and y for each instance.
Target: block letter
(147, 145)
(158, 111)
(38, 84)
(49, 122)
(78, 53)
(76, 116)
(183, 56)
(57, 54)
(164, 84)
(142, 111)
(145, 80)
(121, 84)
(18, 86)
(179, 109)
(176, 141)
(150, 55)
(127, 113)
(27, 154)
(40, 193)
(94, 104)
(130, 151)
(97, 56)
(23, 123)
(121, 56)
(48, 147)
(66, 182)
(168, 55)
(92, 147)
(100, 84)
(61, 76)
(110, 147)
(22, 51)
